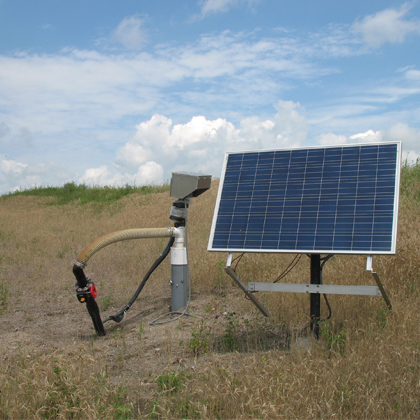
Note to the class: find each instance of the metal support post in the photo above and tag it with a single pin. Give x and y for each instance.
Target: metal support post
(250, 296)
(315, 297)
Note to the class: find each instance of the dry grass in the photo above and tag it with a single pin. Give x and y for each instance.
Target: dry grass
(225, 361)
(59, 386)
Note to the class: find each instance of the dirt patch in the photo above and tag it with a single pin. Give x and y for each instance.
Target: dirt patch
(141, 347)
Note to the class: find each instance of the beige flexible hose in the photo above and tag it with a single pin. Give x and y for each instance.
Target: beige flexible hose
(122, 235)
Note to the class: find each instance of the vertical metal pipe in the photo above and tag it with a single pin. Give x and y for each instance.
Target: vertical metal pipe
(179, 272)
(315, 297)
(178, 287)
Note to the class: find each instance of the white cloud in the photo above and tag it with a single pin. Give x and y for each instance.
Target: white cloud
(130, 33)
(174, 147)
(160, 147)
(390, 25)
(410, 138)
(146, 174)
(331, 139)
(15, 175)
(217, 6)
(132, 155)
(413, 74)
(149, 173)
(222, 6)
(97, 176)
(9, 167)
(369, 136)
(200, 130)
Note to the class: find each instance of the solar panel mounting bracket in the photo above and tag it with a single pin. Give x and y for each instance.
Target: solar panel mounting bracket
(231, 272)
(369, 267)
(327, 289)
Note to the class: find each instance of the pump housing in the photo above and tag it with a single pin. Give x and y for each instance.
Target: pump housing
(187, 184)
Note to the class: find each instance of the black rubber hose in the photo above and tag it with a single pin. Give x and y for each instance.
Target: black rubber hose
(93, 310)
(120, 314)
(80, 276)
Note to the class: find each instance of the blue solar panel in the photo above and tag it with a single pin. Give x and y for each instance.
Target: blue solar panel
(340, 199)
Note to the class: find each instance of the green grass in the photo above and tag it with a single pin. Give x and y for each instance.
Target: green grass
(85, 194)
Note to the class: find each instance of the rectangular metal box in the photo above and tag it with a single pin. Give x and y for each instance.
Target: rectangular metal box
(186, 184)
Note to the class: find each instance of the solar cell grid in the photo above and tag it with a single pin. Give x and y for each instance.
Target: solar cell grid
(334, 199)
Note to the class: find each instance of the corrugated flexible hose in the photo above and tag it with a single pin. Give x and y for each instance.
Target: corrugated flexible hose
(122, 235)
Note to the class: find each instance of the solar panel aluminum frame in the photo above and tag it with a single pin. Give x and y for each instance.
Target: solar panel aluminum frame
(391, 249)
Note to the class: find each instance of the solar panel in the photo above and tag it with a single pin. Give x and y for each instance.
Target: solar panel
(338, 199)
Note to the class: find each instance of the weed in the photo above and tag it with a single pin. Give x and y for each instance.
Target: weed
(220, 282)
(230, 341)
(345, 399)
(140, 330)
(336, 339)
(61, 254)
(412, 290)
(106, 302)
(186, 409)
(382, 318)
(171, 381)
(241, 334)
(122, 410)
(199, 340)
(4, 291)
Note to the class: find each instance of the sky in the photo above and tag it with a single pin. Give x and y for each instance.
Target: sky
(111, 92)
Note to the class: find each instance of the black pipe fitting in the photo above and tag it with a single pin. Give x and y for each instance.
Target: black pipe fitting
(178, 212)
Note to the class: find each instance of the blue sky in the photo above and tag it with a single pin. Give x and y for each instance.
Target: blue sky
(112, 92)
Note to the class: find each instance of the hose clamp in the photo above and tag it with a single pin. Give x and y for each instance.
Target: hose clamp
(80, 264)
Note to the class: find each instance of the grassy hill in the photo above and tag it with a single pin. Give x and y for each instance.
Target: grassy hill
(222, 361)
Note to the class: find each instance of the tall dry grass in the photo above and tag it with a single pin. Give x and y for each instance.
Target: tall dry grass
(226, 362)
